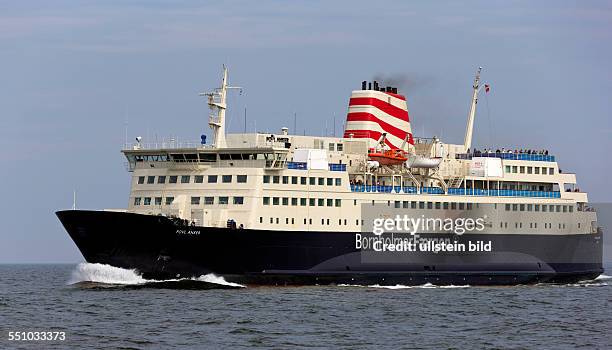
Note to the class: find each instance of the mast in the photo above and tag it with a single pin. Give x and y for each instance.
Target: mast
(217, 102)
(467, 143)
(217, 105)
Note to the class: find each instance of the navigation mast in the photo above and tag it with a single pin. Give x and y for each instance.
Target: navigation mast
(467, 143)
(217, 102)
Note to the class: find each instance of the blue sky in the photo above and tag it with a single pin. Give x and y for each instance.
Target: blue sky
(72, 73)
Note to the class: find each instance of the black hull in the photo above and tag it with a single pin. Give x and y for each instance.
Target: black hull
(159, 249)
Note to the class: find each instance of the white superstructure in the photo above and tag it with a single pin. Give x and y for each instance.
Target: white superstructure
(279, 181)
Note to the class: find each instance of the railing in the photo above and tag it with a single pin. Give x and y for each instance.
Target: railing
(510, 156)
(163, 145)
(456, 191)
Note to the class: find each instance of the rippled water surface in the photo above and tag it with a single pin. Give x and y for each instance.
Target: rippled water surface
(99, 307)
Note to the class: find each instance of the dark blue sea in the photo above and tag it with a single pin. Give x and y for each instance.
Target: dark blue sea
(100, 307)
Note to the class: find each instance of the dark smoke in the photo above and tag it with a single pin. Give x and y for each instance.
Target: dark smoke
(406, 83)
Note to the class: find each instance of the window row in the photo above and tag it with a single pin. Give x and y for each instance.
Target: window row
(157, 200)
(532, 225)
(431, 205)
(303, 180)
(308, 221)
(185, 179)
(551, 208)
(312, 202)
(514, 169)
(222, 200)
(194, 200)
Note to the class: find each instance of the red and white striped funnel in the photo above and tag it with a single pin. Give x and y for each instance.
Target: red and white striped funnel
(373, 112)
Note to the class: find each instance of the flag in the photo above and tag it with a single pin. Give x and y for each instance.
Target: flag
(487, 88)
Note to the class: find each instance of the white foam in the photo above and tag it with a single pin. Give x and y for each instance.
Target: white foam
(101, 273)
(603, 277)
(212, 278)
(107, 274)
(401, 286)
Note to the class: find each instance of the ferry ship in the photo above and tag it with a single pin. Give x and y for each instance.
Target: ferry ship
(280, 208)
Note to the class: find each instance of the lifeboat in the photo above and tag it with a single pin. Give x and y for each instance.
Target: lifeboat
(416, 161)
(388, 157)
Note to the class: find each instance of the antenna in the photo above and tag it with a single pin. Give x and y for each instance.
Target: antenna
(334, 128)
(74, 199)
(245, 120)
(295, 122)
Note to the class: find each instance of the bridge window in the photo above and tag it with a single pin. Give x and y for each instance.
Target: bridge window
(161, 179)
(195, 200)
(169, 200)
(137, 200)
(173, 179)
(185, 179)
(239, 200)
(212, 179)
(223, 200)
(241, 179)
(199, 179)
(150, 179)
(141, 180)
(226, 179)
